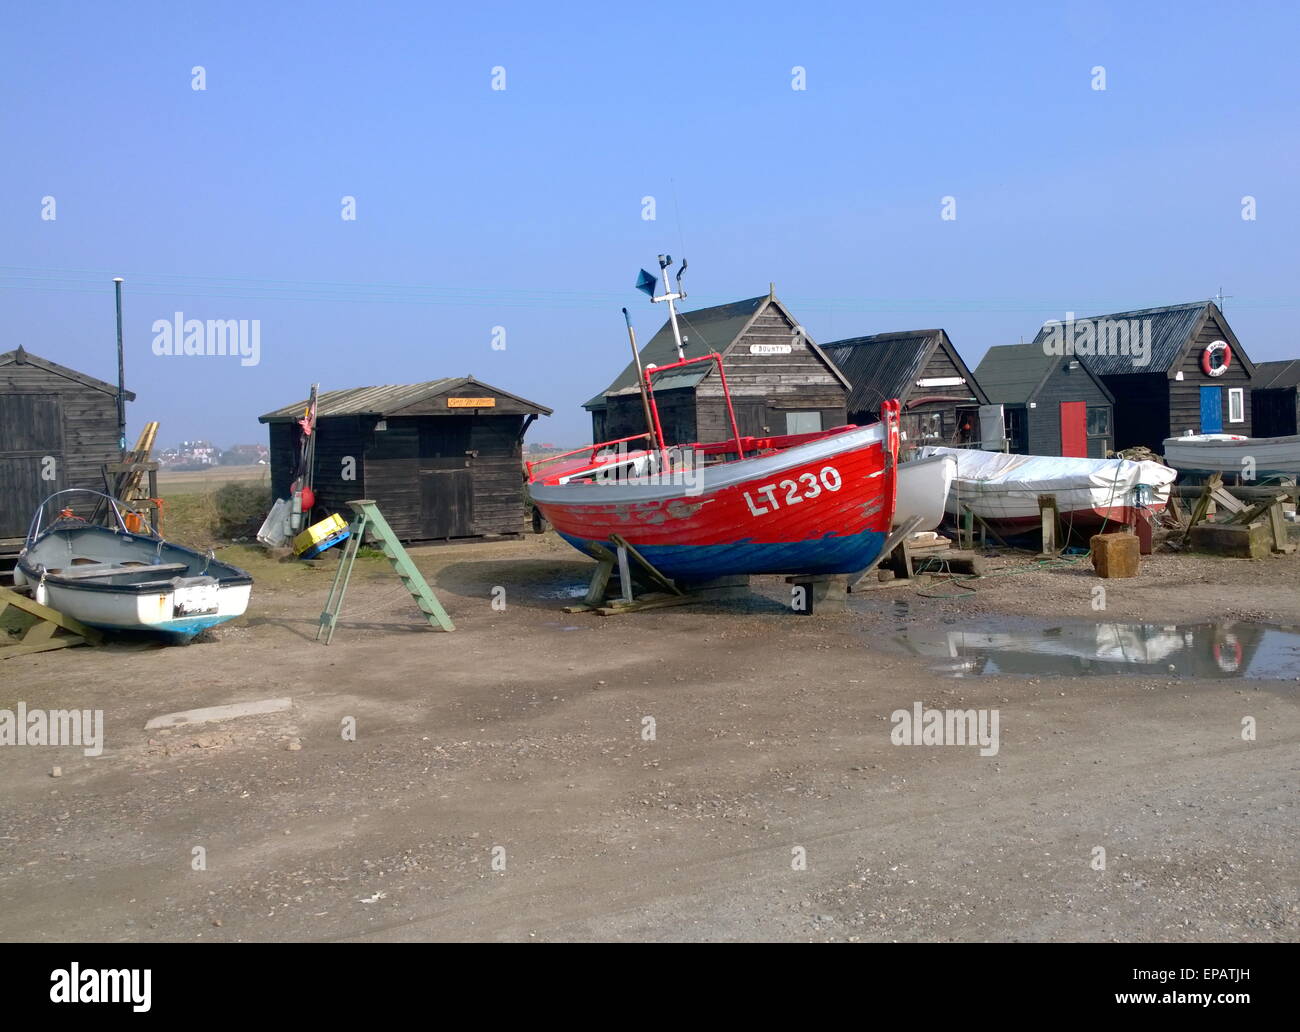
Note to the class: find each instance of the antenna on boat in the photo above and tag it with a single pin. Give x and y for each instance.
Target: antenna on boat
(646, 284)
(640, 382)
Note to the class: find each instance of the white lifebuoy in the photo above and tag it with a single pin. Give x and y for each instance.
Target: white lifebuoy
(1207, 358)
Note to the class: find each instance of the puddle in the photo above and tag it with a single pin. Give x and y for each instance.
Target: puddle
(1217, 651)
(566, 593)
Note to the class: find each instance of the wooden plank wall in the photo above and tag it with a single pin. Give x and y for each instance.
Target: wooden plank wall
(939, 364)
(625, 415)
(1185, 394)
(1044, 420)
(389, 462)
(87, 438)
(799, 381)
(392, 475)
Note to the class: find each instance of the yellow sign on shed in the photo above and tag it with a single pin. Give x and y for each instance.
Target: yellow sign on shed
(471, 402)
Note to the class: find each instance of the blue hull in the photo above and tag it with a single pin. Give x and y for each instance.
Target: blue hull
(832, 554)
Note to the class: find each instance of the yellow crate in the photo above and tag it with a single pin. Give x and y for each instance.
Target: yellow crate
(318, 532)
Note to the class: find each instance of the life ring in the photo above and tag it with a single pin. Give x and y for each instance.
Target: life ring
(1207, 358)
(1228, 664)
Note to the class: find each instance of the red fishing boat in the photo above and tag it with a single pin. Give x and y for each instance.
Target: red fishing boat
(816, 503)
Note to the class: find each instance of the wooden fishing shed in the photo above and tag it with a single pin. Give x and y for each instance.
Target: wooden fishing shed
(780, 381)
(443, 459)
(1051, 404)
(57, 429)
(939, 396)
(1168, 380)
(1275, 399)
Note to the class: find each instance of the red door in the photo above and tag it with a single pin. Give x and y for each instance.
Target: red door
(1074, 429)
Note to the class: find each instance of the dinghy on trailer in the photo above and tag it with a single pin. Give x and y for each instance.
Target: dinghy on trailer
(115, 579)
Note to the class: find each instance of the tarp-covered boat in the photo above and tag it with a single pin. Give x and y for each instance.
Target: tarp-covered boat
(1259, 457)
(1003, 489)
(113, 578)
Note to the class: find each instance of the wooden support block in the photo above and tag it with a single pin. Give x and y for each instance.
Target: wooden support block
(1115, 555)
(1233, 540)
(819, 593)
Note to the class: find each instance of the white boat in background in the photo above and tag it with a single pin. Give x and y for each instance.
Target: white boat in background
(116, 579)
(1003, 489)
(923, 486)
(1230, 453)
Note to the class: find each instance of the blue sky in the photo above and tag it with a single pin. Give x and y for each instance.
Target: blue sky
(522, 207)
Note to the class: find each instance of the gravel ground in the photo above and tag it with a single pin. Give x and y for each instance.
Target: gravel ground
(720, 771)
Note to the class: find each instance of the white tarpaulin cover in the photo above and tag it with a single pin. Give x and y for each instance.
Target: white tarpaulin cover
(996, 485)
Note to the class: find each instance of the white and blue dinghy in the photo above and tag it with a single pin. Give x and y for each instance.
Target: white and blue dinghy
(120, 580)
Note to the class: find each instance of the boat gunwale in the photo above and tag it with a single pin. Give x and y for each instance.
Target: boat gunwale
(729, 474)
(237, 577)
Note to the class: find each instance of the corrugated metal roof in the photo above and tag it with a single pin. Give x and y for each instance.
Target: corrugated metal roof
(1272, 375)
(1010, 373)
(379, 401)
(882, 365)
(1171, 326)
(704, 330)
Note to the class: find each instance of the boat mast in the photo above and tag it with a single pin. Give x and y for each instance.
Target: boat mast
(640, 383)
(670, 295)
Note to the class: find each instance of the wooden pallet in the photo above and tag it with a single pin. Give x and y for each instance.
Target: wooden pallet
(41, 635)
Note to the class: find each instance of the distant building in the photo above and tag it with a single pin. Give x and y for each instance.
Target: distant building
(780, 381)
(1051, 404)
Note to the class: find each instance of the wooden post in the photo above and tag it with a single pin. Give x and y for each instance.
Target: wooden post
(1049, 515)
(624, 574)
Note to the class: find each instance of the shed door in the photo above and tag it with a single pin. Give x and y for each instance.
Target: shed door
(1074, 429)
(446, 503)
(751, 417)
(31, 469)
(1211, 410)
(446, 477)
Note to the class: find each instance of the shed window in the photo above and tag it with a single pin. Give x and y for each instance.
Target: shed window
(1099, 422)
(803, 422)
(1236, 405)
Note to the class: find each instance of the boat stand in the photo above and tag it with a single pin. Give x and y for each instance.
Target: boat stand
(894, 541)
(41, 635)
(635, 570)
(631, 566)
(368, 517)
